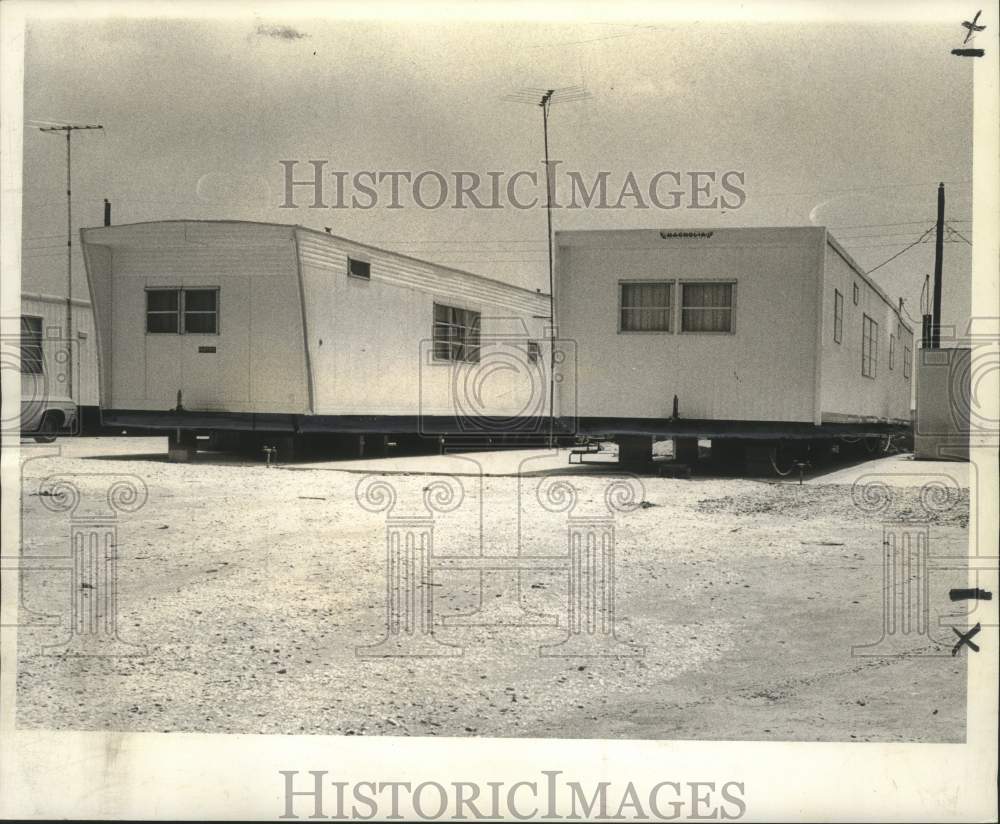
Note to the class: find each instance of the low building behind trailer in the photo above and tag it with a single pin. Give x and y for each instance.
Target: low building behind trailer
(53, 357)
(278, 331)
(761, 340)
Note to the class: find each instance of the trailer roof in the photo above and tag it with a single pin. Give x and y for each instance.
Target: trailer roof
(328, 235)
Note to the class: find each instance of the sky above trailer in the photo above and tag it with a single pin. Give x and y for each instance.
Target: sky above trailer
(845, 125)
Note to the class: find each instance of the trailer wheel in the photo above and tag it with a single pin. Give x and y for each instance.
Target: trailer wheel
(48, 429)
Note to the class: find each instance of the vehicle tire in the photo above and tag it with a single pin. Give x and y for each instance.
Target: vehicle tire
(48, 429)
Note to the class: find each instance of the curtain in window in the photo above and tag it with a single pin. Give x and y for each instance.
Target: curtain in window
(707, 307)
(456, 333)
(645, 307)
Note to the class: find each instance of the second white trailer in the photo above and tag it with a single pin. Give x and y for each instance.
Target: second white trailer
(764, 334)
(210, 326)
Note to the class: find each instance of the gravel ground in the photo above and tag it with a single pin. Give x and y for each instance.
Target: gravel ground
(248, 589)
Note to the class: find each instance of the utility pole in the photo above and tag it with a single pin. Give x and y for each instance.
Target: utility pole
(938, 261)
(69, 129)
(544, 98)
(546, 101)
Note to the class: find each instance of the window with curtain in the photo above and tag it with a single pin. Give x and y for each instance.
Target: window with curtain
(645, 306)
(707, 307)
(456, 333)
(31, 345)
(869, 347)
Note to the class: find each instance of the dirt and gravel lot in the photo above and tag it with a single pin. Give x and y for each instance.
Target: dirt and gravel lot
(248, 590)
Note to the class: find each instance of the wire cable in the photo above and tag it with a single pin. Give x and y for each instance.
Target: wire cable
(901, 251)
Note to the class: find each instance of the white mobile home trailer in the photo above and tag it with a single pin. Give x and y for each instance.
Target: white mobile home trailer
(765, 334)
(207, 326)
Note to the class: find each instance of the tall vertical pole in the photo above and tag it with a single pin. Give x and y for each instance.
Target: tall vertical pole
(938, 261)
(69, 263)
(546, 98)
(69, 129)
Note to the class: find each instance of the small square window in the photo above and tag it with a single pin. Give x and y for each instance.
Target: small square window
(359, 269)
(163, 311)
(534, 351)
(201, 311)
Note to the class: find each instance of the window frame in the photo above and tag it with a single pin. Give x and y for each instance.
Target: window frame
(838, 316)
(892, 351)
(707, 281)
(350, 273)
(40, 345)
(857, 293)
(175, 312)
(475, 347)
(182, 311)
(869, 347)
(907, 362)
(534, 351)
(670, 283)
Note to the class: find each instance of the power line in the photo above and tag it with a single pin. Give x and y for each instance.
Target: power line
(858, 189)
(901, 251)
(955, 231)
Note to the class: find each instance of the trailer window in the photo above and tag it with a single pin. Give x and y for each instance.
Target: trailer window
(182, 311)
(163, 311)
(646, 306)
(31, 345)
(201, 311)
(707, 307)
(869, 347)
(838, 316)
(456, 333)
(359, 269)
(907, 357)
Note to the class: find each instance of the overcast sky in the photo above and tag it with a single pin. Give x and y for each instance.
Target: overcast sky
(847, 126)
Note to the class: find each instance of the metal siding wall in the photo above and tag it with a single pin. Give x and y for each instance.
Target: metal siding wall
(369, 341)
(846, 393)
(762, 372)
